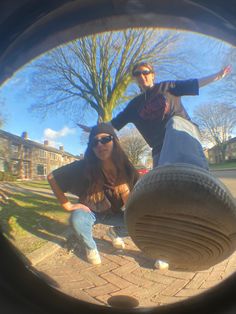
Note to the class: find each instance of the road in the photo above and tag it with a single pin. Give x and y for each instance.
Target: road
(228, 177)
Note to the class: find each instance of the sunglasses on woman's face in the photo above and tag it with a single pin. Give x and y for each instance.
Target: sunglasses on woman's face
(104, 140)
(139, 73)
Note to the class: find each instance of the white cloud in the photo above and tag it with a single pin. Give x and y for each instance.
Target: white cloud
(52, 135)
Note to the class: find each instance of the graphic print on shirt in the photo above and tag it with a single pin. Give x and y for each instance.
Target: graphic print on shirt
(155, 108)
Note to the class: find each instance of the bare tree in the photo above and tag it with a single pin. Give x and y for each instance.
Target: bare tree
(230, 82)
(216, 122)
(134, 145)
(94, 72)
(226, 88)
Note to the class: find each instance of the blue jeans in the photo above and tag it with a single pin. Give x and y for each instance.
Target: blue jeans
(82, 223)
(181, 144)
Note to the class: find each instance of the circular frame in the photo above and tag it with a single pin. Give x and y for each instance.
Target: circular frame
(34, 27)
(30, 28)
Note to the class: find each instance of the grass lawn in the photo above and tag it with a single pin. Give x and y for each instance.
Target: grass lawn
(30, 219)
(225, 165)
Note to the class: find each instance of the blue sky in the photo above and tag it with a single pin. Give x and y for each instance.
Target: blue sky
(58, 130)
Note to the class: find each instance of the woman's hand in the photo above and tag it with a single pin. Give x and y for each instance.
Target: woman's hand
(224, 72)
(124, 192)
(78, 206)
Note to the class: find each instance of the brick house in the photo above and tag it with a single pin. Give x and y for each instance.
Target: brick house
(214, 154)
(28, 159)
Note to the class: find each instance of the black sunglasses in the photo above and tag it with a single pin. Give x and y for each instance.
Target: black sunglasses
(144, 72)
(104, 140)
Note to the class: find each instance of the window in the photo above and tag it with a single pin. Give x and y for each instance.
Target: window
(14, 148)
(41, 170)
(2, 168)
(15, 167)
(42, 153)
(26, 153)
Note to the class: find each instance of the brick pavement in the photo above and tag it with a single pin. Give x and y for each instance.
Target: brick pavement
(126, 272)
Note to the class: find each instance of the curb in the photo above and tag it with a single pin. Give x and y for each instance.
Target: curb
(47, 249)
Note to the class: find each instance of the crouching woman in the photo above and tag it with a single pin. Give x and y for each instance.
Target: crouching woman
(102, 181)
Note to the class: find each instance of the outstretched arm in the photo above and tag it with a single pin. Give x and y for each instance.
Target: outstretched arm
(215, 77)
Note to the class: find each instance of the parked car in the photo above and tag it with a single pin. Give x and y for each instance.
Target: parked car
(142, 169)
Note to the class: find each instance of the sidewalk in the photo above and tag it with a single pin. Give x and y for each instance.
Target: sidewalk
(126, 272)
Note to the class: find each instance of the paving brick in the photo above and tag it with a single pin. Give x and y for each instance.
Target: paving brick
(103, 298)
(57, 271)
(148, 303)
(143, 295)
(130, 291)
(187, 292)
(179, 274)
(94, 278)
(101, 290)
(215, 276)
(104, 268)
(228, 272)
(174, 288)
(140, 272)
(224, 263)
(155, 289)
(230, 267)
(83, 296)
(197, 281)
(166, 299)
(138, 280)
(159, 278)
(120, 260)
(209, 284)
(75, 277)
(232, 260)
(78, 284)
(125, 269)
(116, 280)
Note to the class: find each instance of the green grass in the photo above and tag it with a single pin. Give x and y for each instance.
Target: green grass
(34, 184)
(29, 220)
(225, 165)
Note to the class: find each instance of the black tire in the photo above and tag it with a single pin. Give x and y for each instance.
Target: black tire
(183, 215)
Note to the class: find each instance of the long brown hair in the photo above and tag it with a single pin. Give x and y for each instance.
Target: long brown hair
(126, 172)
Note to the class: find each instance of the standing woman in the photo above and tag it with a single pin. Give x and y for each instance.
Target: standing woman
(102, 181)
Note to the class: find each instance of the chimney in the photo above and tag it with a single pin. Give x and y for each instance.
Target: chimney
(24, 135)
(61, 148)
(46, 142)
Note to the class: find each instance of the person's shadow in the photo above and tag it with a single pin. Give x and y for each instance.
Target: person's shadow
(40, 216)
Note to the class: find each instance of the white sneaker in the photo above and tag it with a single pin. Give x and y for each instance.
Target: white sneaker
(93, 257)
(161, 265)
(117, 242)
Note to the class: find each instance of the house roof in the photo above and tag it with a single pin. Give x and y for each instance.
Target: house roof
(29, 143)
(232, 140)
